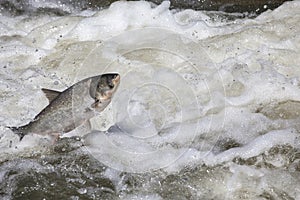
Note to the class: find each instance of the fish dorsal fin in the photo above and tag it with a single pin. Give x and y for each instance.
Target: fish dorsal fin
(51, 94)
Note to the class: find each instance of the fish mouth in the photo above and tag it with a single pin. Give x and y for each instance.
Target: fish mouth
(116, 82)
(116, 79)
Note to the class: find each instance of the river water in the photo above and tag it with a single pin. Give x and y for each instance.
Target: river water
(208, 105)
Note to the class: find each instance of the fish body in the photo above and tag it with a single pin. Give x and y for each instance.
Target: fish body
(72, 107)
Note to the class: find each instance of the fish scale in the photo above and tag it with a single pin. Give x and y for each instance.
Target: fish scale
(72, 107)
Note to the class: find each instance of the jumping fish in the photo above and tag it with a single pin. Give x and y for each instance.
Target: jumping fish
(72, 107)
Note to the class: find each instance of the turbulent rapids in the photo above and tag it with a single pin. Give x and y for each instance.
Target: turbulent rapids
(208, 106)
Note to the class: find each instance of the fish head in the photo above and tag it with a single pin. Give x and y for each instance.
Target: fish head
(103, 88)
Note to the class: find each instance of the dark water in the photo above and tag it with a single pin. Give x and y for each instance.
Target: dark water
(64, 173)
(19, 7)
(67, 172)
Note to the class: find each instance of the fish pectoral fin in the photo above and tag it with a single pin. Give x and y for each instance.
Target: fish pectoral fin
(55, 137)
(51, 94)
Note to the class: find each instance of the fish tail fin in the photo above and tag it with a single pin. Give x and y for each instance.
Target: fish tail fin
(18, 131)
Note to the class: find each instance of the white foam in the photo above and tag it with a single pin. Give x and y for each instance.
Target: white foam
(188, 83)
(143, 196)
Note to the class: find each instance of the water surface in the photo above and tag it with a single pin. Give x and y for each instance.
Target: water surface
(208, 106)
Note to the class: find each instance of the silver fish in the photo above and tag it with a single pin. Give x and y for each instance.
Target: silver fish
(72, 107)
